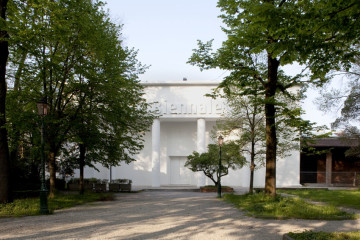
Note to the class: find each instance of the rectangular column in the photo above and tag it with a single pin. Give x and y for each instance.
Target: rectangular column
(328, 168)
(155, 156)
(201, 147)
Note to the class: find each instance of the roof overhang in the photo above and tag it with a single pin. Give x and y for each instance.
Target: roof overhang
(333, 142)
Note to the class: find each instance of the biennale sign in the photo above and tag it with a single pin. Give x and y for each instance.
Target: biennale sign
(210, 108)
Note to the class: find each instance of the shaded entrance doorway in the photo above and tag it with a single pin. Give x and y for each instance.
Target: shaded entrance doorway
(179, 174)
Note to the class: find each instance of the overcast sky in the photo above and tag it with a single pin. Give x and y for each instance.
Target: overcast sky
(166, 31)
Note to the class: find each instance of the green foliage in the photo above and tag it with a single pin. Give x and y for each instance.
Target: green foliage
(245, 119)
(302, 31)
(311, 235)
(347, 100)
(30, 206)
(263, 206)
(208, 162)
(344, 198)
(265, 36)
(86, 180)
(20, 207)
(71, 54)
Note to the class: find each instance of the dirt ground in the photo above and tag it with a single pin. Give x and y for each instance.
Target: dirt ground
(159, 215)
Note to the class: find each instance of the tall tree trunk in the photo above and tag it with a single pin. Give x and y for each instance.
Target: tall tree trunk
(52, 170)
(81, 166)
(5, 193)
(271, 141)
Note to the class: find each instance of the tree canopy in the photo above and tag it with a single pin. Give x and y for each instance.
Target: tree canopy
(346, 101)
(70, 54)
(263, 36)
(208, 162)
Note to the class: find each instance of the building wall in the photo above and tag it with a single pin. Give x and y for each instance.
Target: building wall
(181, 106)
(179, 139)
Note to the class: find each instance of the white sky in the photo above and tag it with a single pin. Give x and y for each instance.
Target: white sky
(166, 31)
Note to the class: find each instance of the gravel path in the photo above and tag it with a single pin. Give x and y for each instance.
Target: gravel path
(159, 215)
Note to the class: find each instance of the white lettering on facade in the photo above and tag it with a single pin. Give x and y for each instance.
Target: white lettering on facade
(207, 108)
(202, 109)
(218, 108)
(173, 108)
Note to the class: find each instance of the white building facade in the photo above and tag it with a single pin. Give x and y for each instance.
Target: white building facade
(186, 120)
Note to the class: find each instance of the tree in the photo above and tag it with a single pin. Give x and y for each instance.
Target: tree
(208, 162)
(346, 100)
(114, 116)
(264, 35)
(245, 121)
(22, 131)
(113, 134)
(76, 60)
(5, 195)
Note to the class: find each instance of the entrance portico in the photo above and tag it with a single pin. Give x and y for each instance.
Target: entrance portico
(179, 174)
(180, 104)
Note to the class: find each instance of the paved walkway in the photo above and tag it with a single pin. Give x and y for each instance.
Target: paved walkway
(159, 215)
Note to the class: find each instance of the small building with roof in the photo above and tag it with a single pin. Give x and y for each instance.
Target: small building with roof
(325, 162)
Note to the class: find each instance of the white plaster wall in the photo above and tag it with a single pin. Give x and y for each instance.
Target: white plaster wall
(92, 173)
(140, 170)
(288, 170)
(178, 137)
(287, 173)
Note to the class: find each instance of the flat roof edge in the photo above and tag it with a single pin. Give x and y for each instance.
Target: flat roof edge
(334, 142)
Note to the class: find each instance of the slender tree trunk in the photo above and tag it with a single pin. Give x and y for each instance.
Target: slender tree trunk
(19, 71)
(252, 155)
(252, 167)
(52, 170)
(82, 165)
(5, 193)
(271, 141)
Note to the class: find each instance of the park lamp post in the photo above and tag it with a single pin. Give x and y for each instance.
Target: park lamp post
(220, 142)
(43, 107)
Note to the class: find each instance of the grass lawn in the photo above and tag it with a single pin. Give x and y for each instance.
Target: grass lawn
(260, 205)
(344, 198)
(310, 235)
(30, 206)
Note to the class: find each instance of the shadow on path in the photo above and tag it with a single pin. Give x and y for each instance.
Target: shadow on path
(159, 215)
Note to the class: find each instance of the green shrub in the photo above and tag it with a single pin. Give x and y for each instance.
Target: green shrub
(26, 194)
(86, 180)
(122, 181)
